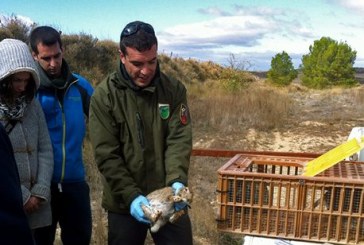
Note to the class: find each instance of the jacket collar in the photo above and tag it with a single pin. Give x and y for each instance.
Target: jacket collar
(58, 83)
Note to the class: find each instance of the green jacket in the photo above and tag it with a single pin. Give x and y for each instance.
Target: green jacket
(142, 138)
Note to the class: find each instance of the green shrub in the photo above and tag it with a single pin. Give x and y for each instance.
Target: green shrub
(13, 27)
(328, 64)
(282, 71)
(234, 81)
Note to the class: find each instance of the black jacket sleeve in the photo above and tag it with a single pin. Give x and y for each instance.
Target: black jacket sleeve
(14, 228)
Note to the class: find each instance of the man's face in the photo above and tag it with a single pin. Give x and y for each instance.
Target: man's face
(50, 59)
(141, 66)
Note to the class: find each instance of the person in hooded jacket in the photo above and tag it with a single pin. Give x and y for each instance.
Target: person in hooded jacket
(64, 97)
(140, 129)
(23, 119)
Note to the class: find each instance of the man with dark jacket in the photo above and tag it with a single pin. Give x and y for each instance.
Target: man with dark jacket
(140, 130)
(65, 98)
(14, 227)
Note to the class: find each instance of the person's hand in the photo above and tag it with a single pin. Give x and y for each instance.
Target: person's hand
(136, 209)
(32, 204)
(177, 186)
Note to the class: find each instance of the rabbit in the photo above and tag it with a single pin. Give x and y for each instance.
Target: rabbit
(161, 206)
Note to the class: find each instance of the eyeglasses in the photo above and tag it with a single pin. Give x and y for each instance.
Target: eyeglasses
(134, 27)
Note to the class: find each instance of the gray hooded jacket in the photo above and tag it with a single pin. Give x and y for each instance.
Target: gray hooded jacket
(29, 137)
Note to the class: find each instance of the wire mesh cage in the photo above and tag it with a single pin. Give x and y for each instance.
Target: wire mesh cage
(268, 196)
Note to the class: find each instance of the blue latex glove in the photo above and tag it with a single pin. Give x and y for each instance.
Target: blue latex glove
(136, 210)
(178, 205)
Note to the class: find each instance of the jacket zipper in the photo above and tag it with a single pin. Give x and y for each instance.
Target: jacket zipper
(140, 127)
(63, 137)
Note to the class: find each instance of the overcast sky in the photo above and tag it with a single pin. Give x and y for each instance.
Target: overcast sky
(207, 30)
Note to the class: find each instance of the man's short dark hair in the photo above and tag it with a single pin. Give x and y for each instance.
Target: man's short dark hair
(46, 35)
(138, 35)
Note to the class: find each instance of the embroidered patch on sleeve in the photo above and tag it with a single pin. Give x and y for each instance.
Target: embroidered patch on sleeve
(184, 114)
(164, 111)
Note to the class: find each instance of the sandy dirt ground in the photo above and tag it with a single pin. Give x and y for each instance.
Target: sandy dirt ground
(321, 121)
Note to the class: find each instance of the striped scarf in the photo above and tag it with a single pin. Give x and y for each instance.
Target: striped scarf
(15, 111)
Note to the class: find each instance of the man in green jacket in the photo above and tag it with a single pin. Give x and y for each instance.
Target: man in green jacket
(140, 129)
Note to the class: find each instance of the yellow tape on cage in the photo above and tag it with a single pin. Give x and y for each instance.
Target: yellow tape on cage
(332, 157)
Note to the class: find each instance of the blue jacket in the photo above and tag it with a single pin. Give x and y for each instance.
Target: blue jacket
(66, 120)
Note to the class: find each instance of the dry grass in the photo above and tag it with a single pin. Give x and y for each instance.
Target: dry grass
(99, 234)
(257, 106)
(203, 182)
